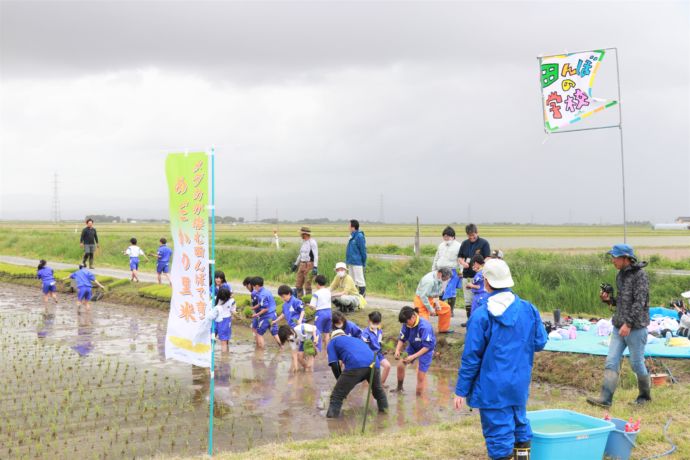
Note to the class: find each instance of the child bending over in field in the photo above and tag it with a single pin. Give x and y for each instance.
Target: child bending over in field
(265, 314)
(302, 340)
(83, 279)
(47, 277)
(293, 308)
(134, 252)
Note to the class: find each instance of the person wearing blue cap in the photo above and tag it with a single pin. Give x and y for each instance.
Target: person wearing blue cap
(630, 322)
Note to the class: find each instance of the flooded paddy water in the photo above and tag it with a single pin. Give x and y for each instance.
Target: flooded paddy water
(78, 384)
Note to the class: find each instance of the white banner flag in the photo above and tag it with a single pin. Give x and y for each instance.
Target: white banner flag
(188, 188)
(566, 83)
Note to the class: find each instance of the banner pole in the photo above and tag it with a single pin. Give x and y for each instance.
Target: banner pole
(212, 292)
(620, 131)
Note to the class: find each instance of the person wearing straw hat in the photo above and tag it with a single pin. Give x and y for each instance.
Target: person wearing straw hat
(344, 294)
(358, 359)
(307, 263)
(503, 334)
(630, 322)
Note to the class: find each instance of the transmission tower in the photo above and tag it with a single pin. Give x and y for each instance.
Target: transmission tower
(56, 199)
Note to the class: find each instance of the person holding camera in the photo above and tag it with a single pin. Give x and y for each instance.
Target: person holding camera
(630, 321)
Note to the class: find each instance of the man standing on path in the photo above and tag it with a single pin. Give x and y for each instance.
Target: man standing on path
(471, 246)
(307, 263)
(629, 325)
(447, 257)
(496, 368)
(356, 256)
(89, 241)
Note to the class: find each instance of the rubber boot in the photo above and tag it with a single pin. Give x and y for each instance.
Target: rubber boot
(522, 450)
(451, 302)
(333, 411)
(607, 390)
(468, 310)
(362, 291)
(644, 385)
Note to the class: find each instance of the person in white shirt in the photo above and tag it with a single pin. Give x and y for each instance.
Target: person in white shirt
(307, 263)
(321, 302)
(447, 257)
(303, 339)
(134, 252)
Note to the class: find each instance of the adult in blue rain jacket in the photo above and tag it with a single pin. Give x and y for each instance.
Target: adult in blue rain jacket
(356, 256)
(496, 368)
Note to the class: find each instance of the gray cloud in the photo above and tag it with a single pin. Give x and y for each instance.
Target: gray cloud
(318, 108)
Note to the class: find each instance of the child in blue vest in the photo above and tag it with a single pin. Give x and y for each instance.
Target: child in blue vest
(373, 336)
(265, 313)
(47, 277)
(348, 327)
(134, 252)
(247, 283)
(293, 308)
(82, 280)
(479, 294)
(221, 282)
(163, 264)
(421, 341)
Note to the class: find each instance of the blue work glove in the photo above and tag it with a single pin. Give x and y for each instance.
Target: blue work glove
(315, 271)
(294, 268)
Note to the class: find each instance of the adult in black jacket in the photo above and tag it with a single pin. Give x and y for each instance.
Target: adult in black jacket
(89, 241)
(630, 322)
(472, 246)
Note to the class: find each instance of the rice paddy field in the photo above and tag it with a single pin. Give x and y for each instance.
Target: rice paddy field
(96, 384)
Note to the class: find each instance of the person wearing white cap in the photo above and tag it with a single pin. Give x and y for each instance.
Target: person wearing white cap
(344, 293)
(503, 334)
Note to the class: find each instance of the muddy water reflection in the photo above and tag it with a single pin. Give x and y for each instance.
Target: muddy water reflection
(257, 399)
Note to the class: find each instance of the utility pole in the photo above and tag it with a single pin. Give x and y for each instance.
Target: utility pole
(381, 217)
(417, 248)
(256, 209)
(56, 199)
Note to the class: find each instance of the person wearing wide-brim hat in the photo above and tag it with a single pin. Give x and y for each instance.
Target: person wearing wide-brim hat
(344, 292)
(307, 262)
(630, 322)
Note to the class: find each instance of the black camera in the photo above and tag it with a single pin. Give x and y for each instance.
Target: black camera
(607, 288)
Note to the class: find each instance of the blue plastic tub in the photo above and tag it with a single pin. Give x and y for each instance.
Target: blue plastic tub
(567, 435)
(620, 443)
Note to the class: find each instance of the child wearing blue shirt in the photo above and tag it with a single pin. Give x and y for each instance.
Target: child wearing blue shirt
(293, 308)
(134, 252)
(82, 280)
(479, 294)
(348, 327)
(47, 277)
(163, 264)
(265, 314)
(421, 341)
(359, 363)
(221, 282)
(373, 336)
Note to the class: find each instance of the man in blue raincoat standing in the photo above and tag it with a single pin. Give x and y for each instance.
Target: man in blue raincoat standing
(496, 368)
(356, 256)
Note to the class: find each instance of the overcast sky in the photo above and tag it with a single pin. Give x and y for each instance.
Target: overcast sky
(320, 108)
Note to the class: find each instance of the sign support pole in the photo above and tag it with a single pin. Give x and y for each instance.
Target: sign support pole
(212, 292)
(620, 131)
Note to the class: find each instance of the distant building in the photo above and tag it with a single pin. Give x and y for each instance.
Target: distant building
(683, 220)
